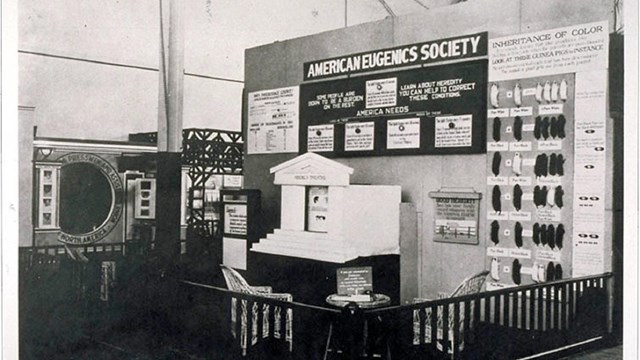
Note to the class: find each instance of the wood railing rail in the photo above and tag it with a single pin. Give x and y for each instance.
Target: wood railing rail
(538, 317)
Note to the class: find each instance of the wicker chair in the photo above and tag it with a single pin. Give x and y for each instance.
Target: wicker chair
(470, 285)
(249, 337)
(235, 282)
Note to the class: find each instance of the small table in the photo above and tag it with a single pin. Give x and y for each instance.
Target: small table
(377, 300)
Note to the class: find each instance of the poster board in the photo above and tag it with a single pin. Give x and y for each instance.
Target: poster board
(456, 216)
(430, 110)
(552, 225)
(272, 125)
(317, 208)
(354, 280)
(235, 219)
(240, 225)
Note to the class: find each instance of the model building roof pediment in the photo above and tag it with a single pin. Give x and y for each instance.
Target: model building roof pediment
(311, 169)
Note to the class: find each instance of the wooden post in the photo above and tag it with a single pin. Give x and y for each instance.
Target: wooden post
(170, 102)
(610, 303)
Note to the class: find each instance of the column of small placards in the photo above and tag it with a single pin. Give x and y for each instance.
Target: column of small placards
(529, 179)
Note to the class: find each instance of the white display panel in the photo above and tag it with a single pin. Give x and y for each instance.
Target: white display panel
(234, 253)
(273, 121)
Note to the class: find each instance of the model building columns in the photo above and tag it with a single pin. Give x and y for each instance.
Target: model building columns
(170, 100)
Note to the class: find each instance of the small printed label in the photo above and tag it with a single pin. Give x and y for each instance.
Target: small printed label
(498, 146)
(549, 215)
(527, 233)
(528, 91)
(520, 146)
(526, 270)
(520, 216)
(589, 202)
(403, 133)
(320, 138)
(523, 111)
(359, 136)
(548, 255)
(520, 253)
(520, 180)
(497, 180)
(492, 215)
(498, 286)
(527, 197)
(497, 252)
(502, 112)
(549, 180)
(550, 145)
(550, 109)
(528, 127)
(528, 162)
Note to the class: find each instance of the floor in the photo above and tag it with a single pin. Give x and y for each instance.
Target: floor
(602, 354)
(107, 351)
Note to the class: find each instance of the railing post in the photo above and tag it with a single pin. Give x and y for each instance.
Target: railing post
(610, 301)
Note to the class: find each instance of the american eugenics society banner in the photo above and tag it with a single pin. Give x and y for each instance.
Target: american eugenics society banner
(454, 48)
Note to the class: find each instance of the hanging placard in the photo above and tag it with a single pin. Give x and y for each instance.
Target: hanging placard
(272, 125)
(235, 219)
(456, 216)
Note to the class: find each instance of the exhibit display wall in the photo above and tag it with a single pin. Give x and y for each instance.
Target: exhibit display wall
(441, 265)
(81, 197)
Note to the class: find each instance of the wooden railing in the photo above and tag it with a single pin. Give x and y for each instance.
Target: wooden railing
(213, 322)
(248, 326)
(52, 254)
(505, 324)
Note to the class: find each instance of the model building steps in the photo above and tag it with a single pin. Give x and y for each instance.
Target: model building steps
(335, 254)
(319, 243)
(305, 244)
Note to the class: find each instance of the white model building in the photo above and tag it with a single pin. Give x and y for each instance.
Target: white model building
(325, 218)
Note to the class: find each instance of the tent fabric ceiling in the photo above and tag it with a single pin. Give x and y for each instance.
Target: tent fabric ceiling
(216, 32)
(126, 32)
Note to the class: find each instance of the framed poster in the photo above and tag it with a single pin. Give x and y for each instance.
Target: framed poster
(456, 216)
(235, 220)
(273, 121)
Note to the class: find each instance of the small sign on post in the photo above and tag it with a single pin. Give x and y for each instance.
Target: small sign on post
(355, 281)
